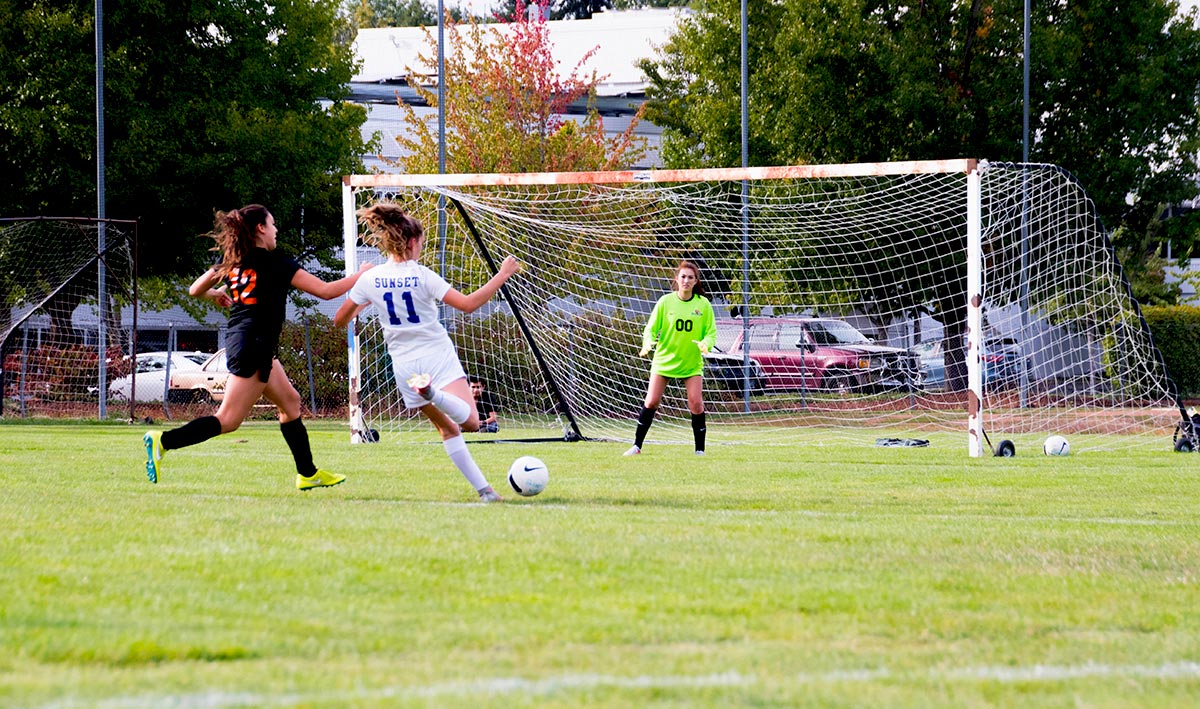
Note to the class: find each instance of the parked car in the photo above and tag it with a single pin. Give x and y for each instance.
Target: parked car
(826, 354)
(1001, 362)
(205, 383)
(151, 370)
(726, 372)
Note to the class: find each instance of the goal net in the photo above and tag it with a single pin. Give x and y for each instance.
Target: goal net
(879, 303)
(59, 340)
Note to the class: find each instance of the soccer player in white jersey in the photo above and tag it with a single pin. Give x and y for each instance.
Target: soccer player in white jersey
(423, 356)
(681, 330)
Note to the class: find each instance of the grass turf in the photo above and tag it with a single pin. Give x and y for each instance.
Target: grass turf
(808, 575)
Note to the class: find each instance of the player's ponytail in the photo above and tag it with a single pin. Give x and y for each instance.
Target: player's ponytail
(393, 230)
(235, 231)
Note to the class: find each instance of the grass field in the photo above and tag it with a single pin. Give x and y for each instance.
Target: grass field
(756, 576)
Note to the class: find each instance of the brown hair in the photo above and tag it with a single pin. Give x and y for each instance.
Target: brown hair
(697, 289)
(392, 229)
(234, 231)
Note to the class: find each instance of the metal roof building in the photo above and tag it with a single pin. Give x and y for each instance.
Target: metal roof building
(619, 39)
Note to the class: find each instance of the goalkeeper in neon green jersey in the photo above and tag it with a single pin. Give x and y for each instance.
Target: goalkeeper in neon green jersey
(681, 330)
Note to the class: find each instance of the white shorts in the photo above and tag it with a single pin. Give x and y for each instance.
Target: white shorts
(444, 367)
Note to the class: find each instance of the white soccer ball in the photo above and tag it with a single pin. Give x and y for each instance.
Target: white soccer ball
(528, 476)
(1056, 445)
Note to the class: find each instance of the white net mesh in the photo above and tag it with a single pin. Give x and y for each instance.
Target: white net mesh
(52, 331)
(857, 312)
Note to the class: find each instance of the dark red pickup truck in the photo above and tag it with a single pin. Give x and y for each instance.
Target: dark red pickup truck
(825, 354)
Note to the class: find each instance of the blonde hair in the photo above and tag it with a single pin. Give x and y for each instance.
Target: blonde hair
(392, 229)
(235, 232)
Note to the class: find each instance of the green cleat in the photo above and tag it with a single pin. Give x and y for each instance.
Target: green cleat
(320, 478)
(154, 454)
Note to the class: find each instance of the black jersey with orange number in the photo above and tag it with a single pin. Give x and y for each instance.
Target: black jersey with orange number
(259, 287)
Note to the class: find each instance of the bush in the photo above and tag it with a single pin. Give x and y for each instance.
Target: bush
(329, 362)
(1176, 331)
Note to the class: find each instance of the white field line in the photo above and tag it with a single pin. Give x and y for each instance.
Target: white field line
(530, 505)
(1186, 670)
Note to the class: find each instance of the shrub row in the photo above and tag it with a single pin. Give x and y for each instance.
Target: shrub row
(1176, 331)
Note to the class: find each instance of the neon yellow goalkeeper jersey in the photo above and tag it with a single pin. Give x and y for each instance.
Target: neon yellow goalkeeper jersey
(676, 325)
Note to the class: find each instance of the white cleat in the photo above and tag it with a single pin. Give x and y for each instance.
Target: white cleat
(633, 450)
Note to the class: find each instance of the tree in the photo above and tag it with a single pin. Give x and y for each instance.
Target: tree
(507, 10)
(1118, 109)
(578, 9)
(505, 107)
(208, 106)
(394, 13)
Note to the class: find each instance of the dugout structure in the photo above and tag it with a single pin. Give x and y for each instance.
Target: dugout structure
(988, 295)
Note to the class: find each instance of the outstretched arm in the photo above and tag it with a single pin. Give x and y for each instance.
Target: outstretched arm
(312, 285)
(204, 287)
(469, 303)
(347, 312)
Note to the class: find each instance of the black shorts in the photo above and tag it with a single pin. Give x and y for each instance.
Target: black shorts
(249, 355)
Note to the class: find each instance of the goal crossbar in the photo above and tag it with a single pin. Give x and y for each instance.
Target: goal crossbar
(730, 174)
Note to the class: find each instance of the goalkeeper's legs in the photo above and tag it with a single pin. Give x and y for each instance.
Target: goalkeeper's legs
(695, 395)
(654, 393)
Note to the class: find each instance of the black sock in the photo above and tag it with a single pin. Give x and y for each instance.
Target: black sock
(191, 433)
(698, 430)
(296, 436)
(645, 418)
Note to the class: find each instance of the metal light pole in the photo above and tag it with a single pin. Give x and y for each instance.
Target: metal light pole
(1024, 294)
(441, 94)
(101, 236)
(745, 218)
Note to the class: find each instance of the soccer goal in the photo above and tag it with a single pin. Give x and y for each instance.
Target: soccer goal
(868, 302)
(63, 285)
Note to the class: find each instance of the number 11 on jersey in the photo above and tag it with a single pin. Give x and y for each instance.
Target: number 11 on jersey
(406, 296)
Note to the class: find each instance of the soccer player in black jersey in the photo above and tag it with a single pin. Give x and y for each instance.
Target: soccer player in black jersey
(253, 281)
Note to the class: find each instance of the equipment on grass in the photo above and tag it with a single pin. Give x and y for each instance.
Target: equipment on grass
(1186, 431)
(528, 476)
(902, 442)
(1056, 445)
(1006, 449)
(998, 280)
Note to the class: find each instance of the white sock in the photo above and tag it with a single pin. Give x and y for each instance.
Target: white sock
(456, 448)
(457, 409)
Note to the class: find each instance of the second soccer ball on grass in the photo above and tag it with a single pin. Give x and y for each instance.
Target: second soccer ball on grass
(528, 476)
(1056, 445)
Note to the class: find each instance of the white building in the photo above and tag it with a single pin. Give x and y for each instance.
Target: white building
(616, 40)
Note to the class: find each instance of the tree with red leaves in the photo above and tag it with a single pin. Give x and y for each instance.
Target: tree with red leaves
(506, 106)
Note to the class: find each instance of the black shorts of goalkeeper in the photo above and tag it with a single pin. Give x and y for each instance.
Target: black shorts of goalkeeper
(249, 354)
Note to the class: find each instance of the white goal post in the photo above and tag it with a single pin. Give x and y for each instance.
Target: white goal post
(879, 302)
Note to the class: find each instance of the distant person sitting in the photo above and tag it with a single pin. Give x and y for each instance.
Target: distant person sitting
(488, 422)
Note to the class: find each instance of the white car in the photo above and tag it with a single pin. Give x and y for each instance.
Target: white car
(202, 384)
(151, 374)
